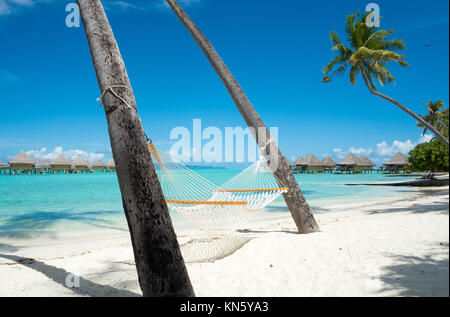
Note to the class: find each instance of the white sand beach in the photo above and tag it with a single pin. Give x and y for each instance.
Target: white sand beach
(395, 247)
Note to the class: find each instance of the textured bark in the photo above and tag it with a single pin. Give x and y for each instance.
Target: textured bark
(159, 263)
(294, 198)
(398, 104)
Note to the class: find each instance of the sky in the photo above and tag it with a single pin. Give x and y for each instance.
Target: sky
(275, 49)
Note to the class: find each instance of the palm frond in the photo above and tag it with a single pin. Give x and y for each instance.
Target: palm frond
(354, 70)
(378, 55)
(368, 48)
(393, 45)
(338, 60)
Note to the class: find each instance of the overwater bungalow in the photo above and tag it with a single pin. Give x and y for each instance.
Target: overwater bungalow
(365, 164)
(79, 164)
(111, 166)
(348, 164)
(352, 163)
(297, 165)
(61, 163)
(21, 162)
(328, 164)
(3, 168)
(398, 163)
(98, 165)
(312, 164)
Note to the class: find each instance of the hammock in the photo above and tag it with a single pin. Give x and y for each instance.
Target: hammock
(210, 207)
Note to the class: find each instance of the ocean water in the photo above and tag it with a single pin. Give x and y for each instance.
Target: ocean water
(53, 205)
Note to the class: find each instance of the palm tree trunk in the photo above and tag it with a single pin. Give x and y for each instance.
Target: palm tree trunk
(160, 266)
(412, 114)
(294, 198)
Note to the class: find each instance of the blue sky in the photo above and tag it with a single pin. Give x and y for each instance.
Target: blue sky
(276, 50)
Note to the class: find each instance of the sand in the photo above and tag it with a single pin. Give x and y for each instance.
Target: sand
(394, 247)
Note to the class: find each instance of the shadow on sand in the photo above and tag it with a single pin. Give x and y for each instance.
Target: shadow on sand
(39, 223)
(58, 275)
(419, 276)
(416, 208)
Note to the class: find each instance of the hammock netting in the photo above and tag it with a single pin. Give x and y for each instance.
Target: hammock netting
(210, 207)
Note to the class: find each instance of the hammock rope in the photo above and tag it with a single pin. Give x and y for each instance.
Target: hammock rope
(208, 206)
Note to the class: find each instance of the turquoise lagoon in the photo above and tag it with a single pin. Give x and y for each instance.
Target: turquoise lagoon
(38, 205)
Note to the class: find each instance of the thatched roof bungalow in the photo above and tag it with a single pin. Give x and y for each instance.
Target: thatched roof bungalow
(348, 163)
(355, 164)
(297, 165)
(299, 161)
(21, 162)
(312, 163)
(98, 165)
(79, 164)
(328, 163)
(365, 163)
(61, 163)
(399, 162)
(111, 165)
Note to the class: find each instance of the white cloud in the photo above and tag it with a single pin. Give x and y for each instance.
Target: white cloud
(361, 151)
(4, 8)
(339, 153)
(9, 6)
(425, 138)
(123, 5)
(382, 150)
(42, 154)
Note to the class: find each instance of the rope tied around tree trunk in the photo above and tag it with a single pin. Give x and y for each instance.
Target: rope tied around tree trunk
(111, 90)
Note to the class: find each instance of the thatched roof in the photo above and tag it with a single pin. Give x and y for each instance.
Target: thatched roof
(3, 165)
(312, 160)
(111, 163)
(328, 161)
(364, 161)
(61, 160)
(350, 159)
(98, 163)
(21, 158)
(78, 161)
(299, 161)
(398, 159)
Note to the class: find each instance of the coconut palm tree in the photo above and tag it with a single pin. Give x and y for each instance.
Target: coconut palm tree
(368, 55)
(445, 122)
(294, 198)
(159, 263)
(435, 117)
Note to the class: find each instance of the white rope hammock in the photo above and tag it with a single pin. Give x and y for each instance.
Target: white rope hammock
(210, 207)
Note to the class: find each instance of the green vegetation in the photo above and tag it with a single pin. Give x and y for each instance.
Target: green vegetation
(368, 53)
(436, 116)
(430, 156)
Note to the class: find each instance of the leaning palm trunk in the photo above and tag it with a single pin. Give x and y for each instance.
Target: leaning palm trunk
(159, 263)
(294, 198)
(412, 114)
